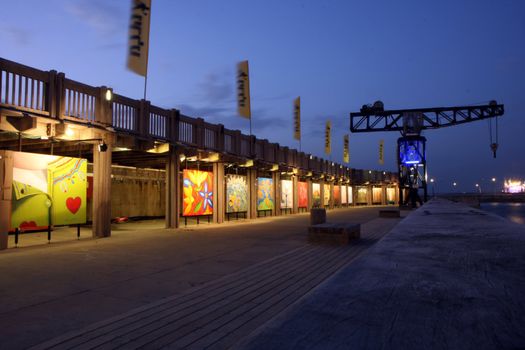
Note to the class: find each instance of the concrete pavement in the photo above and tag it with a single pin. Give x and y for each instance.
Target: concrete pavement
(447, 277)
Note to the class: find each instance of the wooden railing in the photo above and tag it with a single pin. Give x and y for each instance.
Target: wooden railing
(51, 94)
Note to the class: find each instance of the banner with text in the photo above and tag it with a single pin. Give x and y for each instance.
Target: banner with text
(327, 139)
(138, 37)
(243, 90)
(346, 151)
(297, 118)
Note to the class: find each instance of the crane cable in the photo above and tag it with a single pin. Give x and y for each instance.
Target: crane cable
(493, 145)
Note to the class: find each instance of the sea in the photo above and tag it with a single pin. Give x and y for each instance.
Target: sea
(513, 211)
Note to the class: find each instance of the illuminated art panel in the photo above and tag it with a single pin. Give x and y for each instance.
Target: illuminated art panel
(344, 194)
(376, 195)
(236, 193)
(326, 194)
(362, 193)
(316, 195)
(48, 190)
(302, 194)
(197, 193)
(265, 199)
(391, 195)
(337, 195)
(350, 195)
(286, 194)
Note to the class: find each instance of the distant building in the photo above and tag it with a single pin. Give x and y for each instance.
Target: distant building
(514, 186)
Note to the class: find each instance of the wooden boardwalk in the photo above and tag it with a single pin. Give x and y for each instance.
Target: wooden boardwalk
(218, 314)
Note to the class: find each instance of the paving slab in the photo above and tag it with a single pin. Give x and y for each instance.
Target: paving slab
(447, 277)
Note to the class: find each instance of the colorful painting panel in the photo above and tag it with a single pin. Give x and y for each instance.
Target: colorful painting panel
(197, 193)
(265, 199)
(344, 194)
(48, 190)
(236, 194)
(302, 194)
(377, 195)
(316, 195)
(362, 193)
(326, 194)
(337, 195)
(391, 195)
(286, 194)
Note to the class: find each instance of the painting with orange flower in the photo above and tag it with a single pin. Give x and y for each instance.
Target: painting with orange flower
(302, 194)
(265, 199)
(197, 193)
(337, 195)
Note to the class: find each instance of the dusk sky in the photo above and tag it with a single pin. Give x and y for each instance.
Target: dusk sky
(336, 55)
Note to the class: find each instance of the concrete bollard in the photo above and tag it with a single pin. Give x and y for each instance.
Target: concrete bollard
(317, 216)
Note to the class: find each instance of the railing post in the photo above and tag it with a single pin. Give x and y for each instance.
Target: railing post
(237, 142)
(50, 94)
(199, 133)
(104, 107)
(253, 149)
(60, 91)
(219, 141)
(172, 126)
(143, 118)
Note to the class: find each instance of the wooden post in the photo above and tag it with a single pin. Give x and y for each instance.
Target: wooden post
(321, 190)
(252, 193)
(102, 191)
(295, 192)
(309, 192)
(332, 199)
(276, 189)
(219, 200)
(6, 182)
(50, 91)
(383, 194)
(172, 188)
(369, 190)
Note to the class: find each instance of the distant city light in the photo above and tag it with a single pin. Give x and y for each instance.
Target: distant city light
(431, 180)
(514, 186)
(493, 179)
(454, 184)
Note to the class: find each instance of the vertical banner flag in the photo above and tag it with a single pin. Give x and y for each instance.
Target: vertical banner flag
(243, 90)
(297, 119)
(346, 153)
(327, 140)
(138, 38)
(381, 152)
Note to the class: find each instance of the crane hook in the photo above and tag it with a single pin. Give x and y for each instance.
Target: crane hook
(494, 148)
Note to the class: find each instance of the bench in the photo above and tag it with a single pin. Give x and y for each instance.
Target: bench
(339, 234)
(389, 213)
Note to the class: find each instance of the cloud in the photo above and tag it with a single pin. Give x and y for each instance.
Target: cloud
(97, 14)
(216, 88)
(17, 35)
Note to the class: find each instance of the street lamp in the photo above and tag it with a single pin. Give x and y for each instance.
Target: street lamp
(433, 192)
(478, 187)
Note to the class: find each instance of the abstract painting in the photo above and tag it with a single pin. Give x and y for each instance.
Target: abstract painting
(344, 194)
(362, 194)
(197, 193)
(350, 195)
(302, 194)
(265, 199)
(316, 195)
(326, 194)
(48, 190)
(337, 195)
(391, 195)
(236, 194)
(286, 194)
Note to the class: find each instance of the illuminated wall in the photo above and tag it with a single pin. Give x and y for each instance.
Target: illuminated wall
(391, 195)
(265, 200)
(48, 190)
(302, 194)
(350, 195)
(286, 194)
(197, 193)
(236, 193)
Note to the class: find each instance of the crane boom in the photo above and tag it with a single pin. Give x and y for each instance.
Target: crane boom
(428, 118)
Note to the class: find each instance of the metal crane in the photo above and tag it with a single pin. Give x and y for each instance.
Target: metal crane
(411, 157)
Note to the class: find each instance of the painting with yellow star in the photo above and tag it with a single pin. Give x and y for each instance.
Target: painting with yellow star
(197, 193)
